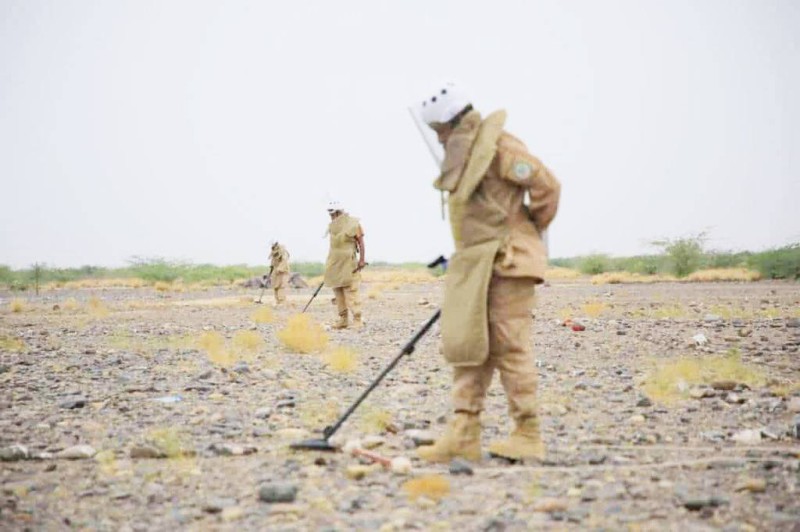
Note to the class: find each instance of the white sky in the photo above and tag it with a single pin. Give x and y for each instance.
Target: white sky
(200, 130)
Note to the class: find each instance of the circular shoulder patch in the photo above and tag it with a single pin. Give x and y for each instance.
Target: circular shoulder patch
(522, 170)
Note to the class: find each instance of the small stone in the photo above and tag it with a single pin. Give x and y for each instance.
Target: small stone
(644, 402)
(277, 492)
(724, 385)
(216, 505)
(263, 413)
(72, 404)
(206, 374)
(699, 340)
(711, 318)
(701, 392)
(285, 403)
(241, 367)
(77, 452)
(793, 323)
(371, 442)
(747, 437)
(232, 449)
(358, 471)
(459, 466)
(793, 405)
(637, 419)
(14, 453)
(401, 465)
(232, 513)
(753, 485)
(420, 437)
(550, 505)
(146, 451)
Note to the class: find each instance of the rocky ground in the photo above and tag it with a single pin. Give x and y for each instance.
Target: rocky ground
(115, 416)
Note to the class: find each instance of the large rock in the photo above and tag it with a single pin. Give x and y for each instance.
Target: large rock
(14, 453)
(77, 452)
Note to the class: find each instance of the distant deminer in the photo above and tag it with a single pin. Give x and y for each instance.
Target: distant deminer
(501, 199)
(346, 259)
(279, 271)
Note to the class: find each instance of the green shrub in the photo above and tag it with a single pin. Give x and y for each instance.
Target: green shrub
(685, 254)
(778, 263)
(594, 264)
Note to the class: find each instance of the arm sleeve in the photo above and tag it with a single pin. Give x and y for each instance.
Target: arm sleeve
(518, 165)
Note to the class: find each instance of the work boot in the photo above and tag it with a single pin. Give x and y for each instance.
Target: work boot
(462, 437)
(342, 323)
(357, 321)
(524, 442)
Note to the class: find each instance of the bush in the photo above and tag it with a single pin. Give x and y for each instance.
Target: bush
(778, 263)
(685, 254)
(594, 264)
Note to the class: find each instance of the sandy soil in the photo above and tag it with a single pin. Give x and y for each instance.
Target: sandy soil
(125, 376)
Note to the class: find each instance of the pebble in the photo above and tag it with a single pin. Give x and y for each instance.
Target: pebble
(277, 492)
(644, 402)
(232, 449)
(421, 437)
(14, 453)
(747, 437)
(263, 413)
(550, 505)
(358, 471)
(401, 465)
(753, 485)
(724, 385)
(793, 323)
(217, 505)
(371, 442)
(459, 466)
(700, 392)
(793, 405)
(146, 451)
(77, 452)
(72, 404)
(711, 318)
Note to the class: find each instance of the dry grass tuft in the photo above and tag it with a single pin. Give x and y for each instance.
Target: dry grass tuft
(434, 487)
(303, 335)
(17, 305)
(210, 341)
(558, 273)
(374, 420)
(97, 308)
(9, 343)
(671, 381)
(341, 359)
(593, 309)
(397, 277)
(375, 291)
(629, 278)
(70, 304)
(249, 341)
(670, 311)
(263, 315)
(213, 344)
(161, 286)
(724, 274)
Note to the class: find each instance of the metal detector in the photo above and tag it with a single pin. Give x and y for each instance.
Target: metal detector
(322, 444)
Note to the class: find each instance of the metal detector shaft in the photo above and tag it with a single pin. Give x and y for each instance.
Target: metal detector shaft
(312, 297)
(407, 350)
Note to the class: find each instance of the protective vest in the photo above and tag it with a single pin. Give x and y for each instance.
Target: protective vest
(342, 256)
(489, 174)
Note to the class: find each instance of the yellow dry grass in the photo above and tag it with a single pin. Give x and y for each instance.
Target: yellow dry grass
(218, 353)
(373, 420)
(161, 286)
(9, 343)
(785, 389)
(593, 309)
(341, 359)
(97, 308)
(671, 381)
(133, 282)
(434, 487)
(559, 273)
(375, 291)
(724, 274)
(211, 340)
(263, 315)
(70, 304)
(17, 305)
(670, 311)
(249, 341)
(303, 335)
(629, 278)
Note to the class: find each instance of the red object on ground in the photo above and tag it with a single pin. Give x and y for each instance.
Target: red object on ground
(578, 327)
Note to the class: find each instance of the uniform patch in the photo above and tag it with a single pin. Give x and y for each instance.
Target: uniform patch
(522, 170)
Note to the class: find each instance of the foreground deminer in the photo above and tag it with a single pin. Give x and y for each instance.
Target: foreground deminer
(501, 199)
(279, 271)
(346, 259)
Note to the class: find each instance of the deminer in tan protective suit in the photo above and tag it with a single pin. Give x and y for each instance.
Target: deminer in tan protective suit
(500, 199)
(279, 271)
(344, 264)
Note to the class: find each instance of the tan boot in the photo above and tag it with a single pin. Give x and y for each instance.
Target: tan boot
(461, 438)
(357, 321)
(342, 323)
(524, 442)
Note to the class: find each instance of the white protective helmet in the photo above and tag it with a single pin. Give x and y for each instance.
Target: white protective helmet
(445, 103)
(334, 206)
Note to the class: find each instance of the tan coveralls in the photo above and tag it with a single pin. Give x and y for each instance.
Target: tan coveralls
(500, 257)
(341, 264)
(279, 262)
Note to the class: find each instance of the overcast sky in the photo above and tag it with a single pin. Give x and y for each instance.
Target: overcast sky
(200, 130)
